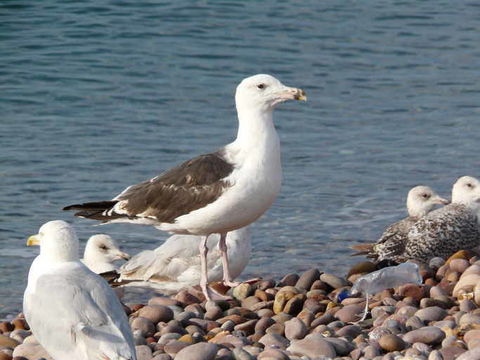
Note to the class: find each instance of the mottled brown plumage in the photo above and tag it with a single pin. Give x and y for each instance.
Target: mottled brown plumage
(420, 201)
(442, 233)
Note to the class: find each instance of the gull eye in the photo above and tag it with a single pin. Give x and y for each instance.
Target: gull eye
(469, 185)
(425, 196)
(261, 86)
(103, 247)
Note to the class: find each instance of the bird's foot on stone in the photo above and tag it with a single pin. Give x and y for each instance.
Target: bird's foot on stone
(233, 284)
(214, 295)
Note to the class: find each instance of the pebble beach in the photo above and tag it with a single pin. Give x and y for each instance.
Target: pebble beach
(300, 316)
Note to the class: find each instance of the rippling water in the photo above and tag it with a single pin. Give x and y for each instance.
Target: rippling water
(97, 97)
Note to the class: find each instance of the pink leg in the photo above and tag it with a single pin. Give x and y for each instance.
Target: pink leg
(227, 278)
(209, 293)
(203, 263)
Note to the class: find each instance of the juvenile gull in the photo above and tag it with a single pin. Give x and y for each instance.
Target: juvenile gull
(101, 252)
(72, 312)
(449, 229)
(420, 201)
(217, 192)
(176, 265)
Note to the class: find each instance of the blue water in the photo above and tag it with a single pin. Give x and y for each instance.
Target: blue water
(98, 96)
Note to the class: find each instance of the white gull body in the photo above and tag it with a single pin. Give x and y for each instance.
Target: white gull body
(213, 193)
(176, 263)
(72, 312)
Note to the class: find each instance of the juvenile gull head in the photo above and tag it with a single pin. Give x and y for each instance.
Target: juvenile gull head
(421, 200)
(466, 191)
(100, 253)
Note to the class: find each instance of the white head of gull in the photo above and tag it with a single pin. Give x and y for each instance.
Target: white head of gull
(466, 191)
(72, 312)
(101, 252)
(421, 200)
(217, 192)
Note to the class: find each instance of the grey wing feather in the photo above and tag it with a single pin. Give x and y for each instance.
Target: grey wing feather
(76, 312)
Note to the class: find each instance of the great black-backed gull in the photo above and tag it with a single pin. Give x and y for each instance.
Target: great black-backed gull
(420, 201)
(449, 229)
(217, 192)
(176, 265)
(101, 252)
(72, 312)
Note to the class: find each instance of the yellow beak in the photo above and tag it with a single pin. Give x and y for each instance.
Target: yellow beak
(302, 96)
(33, 240)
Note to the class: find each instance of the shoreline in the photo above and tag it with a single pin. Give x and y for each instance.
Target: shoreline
(301, 317)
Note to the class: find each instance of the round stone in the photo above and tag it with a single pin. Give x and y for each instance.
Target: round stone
(200, 351)
(295, 329)
(432, 313)
(307, 278)
(350, 313)
(312, 346)
(143, 352)
(391, 342)
(156, 313)
(275, 340)
(430, 335)
(144, 326)
(334, 281)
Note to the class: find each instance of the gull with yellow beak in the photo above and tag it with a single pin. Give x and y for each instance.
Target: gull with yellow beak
(72, 312)
(217, 192)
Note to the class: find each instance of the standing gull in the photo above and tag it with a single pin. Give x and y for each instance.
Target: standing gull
(449, 229)
(72, 312)
(217, 192)
(420, 201)
(101, 252)
(176, 265)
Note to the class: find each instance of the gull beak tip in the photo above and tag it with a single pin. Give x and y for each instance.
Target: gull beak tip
(33, 240)
(301, 95)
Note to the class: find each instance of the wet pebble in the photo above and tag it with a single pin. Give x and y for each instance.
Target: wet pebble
(143, 352)
(430, 335)
(433, 313)
(200, 351)
(333, 280)
(349, 313)
(7, 341)
(144, 326)
(391, 342)
(341, 346)
(312, 346)
(275, 340)
(307, 279)
(273, 354)
(156, 313)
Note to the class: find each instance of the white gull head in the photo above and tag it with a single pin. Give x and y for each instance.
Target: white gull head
(421, 200)
(466, 191)
(58, 242)
(264, 92)
(100, 253)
